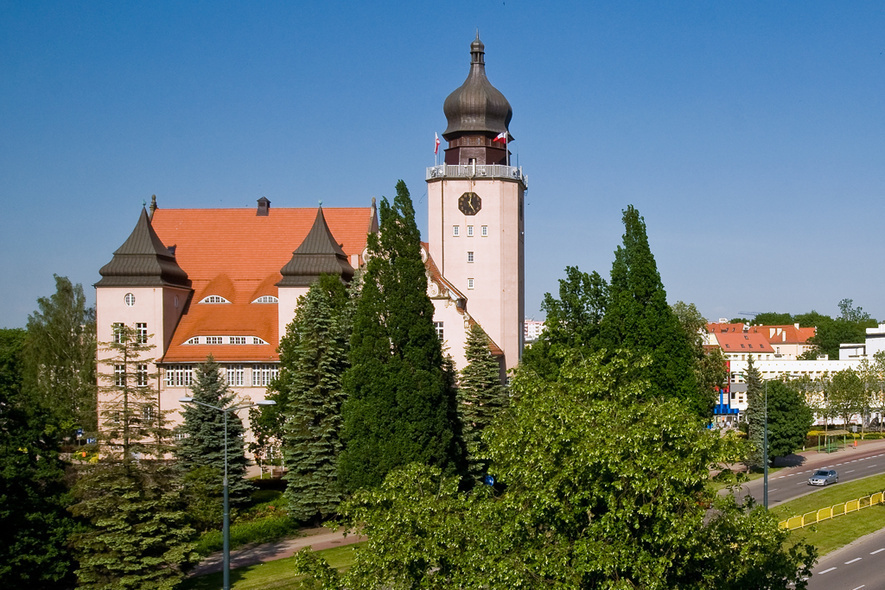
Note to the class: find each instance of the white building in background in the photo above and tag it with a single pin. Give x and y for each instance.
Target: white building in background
(533, 329)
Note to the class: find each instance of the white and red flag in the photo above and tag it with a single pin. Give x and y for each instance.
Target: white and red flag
(435, 144)
(502, 137)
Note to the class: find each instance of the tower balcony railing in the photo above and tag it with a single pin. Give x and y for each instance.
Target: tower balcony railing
(496, 171)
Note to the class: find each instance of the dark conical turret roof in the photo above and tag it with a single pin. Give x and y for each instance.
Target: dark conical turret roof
(318, 254)
(476, 106)
(143, 261)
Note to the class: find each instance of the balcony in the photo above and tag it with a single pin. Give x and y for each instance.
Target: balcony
(493, 171)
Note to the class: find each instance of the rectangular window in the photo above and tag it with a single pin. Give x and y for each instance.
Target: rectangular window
(147, 413)
(179, 375)
(262, 375)
(141, 333)
(470, 257)
(141, 375)
(469, 283)
(469, 231)
(456, 230)
(120, 375)
(484, 231)
(238, 340)
(235, 375)
(213, 340)
(118, 333)
(440, 332)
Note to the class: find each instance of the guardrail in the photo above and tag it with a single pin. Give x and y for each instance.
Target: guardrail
(841, 509)
(496, 171)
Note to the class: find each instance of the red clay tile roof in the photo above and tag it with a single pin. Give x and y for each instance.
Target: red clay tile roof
(786, 334)
(739, 343)
(238, 255)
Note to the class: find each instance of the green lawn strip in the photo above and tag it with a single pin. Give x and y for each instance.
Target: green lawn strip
(270, 574)
(837, 532)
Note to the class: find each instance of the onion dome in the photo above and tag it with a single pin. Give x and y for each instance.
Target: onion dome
(143, 261)
(476, 107)
(318, 254)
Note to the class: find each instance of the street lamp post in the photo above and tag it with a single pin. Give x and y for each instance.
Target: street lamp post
(225, 530)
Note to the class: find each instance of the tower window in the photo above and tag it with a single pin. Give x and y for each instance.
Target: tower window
(469, 231)
(456, 230)
(469, 283)
(470, 257)
(484, 231)
(129, 299)
(118, 333)
(440, 332)
(141, 333)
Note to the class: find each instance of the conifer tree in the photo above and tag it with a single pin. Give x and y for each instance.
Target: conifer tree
(481, 397)
(313, 358)
(400, 405)
(755, 413)
(638, 318)
(200, 448)
(139, 536)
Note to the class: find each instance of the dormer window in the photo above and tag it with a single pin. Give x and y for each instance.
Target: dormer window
(214, 299)
(266, 299)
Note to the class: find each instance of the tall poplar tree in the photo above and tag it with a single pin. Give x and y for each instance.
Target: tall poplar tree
(481, 397)
(313, 358)
(60, 358)
(637, 318)
(400, 406)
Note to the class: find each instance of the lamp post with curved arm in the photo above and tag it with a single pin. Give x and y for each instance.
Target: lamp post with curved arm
(226, 523)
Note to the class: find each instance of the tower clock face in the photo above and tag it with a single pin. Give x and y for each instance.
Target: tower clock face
(469, 203)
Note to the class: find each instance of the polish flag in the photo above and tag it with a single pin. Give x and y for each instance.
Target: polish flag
(436, 145)
(502, 137)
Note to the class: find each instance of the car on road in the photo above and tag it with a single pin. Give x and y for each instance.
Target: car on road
(823, 477)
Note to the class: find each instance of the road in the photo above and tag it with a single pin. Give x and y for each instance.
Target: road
(791, 482)
(855, 566)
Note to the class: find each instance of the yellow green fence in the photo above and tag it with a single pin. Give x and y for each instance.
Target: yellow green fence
(815, 516)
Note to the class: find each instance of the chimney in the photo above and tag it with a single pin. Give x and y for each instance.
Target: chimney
(263, 207)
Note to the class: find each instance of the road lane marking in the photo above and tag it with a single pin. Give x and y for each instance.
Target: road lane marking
(851, 471)
(859, 587)
(826, 570)
(853, 560)
(878, 551)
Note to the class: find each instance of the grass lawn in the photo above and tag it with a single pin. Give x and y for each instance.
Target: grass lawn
(272, 574)
(837, 532)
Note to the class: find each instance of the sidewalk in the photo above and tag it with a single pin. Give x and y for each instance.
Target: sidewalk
(812, 458)
(319, 538)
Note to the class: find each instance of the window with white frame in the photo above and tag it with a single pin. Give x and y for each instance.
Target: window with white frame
(141, 333)
(147, 413)
(141, 375)
(263, 374)
(440, 331)
(214, 340)
(238, 340)
(266, 299)
(456, 230)
(194, 340)
(469, 231)
(120, 375)
(179, 375)
(235, 374)
(469, 256)
(118, 333)
(214, 299)
(484, 231)
(257, 340)
(129, 299)
(470, 283)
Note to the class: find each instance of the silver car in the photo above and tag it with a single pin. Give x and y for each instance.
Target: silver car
(823, 477)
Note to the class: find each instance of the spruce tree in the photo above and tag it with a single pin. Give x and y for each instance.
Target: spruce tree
(313, 358)
(755, 413)
(199, 449)
(638, 318)
(481, 397)
(138, 535)
(400, 405)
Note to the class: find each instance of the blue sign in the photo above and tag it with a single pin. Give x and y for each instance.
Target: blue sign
(90, 441)
(79, 433)
(488, 480)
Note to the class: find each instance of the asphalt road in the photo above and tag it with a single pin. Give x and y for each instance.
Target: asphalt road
(791, 482)
(856, 566)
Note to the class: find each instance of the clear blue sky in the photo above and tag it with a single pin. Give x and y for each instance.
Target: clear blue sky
(750, 135)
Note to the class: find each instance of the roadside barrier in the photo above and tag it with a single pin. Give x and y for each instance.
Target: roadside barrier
(815, 516)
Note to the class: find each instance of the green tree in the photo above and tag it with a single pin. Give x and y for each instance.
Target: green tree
(773, 318)
(34, 525)
(756, 392)
(400, 404)
(710, 368)
(572, 321)
(846, 394)
(138, 536)
(481, 398)
(575, 506)
(637, 318)
(789, 419)
(849, 327)
(60, 358)
(199, 450)
(313, 357)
